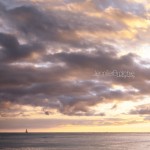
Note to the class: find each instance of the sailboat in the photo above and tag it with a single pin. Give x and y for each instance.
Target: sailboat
(26, 131)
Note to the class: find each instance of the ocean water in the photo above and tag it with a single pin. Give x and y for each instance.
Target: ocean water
(75, 141)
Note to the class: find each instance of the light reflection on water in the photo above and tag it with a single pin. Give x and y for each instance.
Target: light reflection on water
(75, 141)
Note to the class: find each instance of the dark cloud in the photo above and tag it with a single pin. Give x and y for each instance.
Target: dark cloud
(32, 86)
(11, 49)
(2, 8)
(141, 110)
(99, 60)
(49, 28)
(60, 38)
(31, 21)
(58, 26)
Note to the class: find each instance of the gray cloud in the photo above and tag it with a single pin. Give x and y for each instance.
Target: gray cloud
(11, 49)
(141, 110)
(67, 84)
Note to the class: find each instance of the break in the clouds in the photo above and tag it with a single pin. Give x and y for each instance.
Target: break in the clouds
(50, 51)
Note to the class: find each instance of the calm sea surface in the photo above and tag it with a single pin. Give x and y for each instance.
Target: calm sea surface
(75, 141)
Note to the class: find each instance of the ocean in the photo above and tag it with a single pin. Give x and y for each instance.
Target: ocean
(75, 141)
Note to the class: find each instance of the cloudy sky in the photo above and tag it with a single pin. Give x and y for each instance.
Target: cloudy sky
(74, 65)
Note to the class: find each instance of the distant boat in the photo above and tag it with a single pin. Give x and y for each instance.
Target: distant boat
(26, 131)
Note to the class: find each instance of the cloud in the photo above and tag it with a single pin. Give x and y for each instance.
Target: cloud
(11, 49)
(49, 54)
(141, 110)
(27, 21)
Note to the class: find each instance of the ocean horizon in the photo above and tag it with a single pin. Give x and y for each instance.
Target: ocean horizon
(75, 141)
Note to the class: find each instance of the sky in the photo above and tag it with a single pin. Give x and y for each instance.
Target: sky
(74, 65)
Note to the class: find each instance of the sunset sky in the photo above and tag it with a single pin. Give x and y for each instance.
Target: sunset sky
(75, 65)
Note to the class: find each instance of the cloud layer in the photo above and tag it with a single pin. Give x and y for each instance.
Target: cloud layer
(50, 51)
